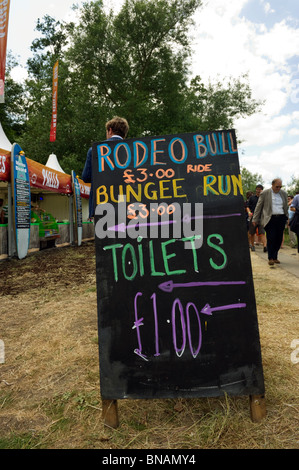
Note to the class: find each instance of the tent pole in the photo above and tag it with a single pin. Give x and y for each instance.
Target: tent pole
(71, 217)
(9, 222)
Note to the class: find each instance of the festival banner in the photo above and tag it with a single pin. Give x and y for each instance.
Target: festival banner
(54, 103)
(84, 189)
(5, 163)
(4, 16)
(48, 179)
(43, 177)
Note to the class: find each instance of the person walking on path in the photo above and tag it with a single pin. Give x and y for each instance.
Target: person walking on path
(292, 235)
(294, 225)
(272, 213)
(257, 228)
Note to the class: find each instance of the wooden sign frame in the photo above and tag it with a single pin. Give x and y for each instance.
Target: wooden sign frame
(174, 320)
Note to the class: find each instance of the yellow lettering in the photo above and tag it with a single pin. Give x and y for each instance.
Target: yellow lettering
(237, 182)
(232, 183)
(135, 195)
(121, 193)
(153, 193)
(175, 188)
(208, 182)
(102, 191)
(220, 184)
(162, 189)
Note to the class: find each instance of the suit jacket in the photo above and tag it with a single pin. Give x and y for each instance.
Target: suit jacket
(263, 210)
(87, 176)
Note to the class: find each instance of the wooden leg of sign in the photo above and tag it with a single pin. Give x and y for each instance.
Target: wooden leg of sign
(110, 413)
(257, 407)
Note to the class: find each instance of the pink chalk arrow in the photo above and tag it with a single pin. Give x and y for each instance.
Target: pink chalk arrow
(208, 310)
(168, 286)
(122, 227)
(187, 217)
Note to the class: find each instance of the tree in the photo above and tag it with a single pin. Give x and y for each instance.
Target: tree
(38, 89)
(12, 111)
(293, 186)
(250, 180)
(134, 64)
(217, 106)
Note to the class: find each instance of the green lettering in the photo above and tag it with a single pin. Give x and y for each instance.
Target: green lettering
(193, 247)
(129, 247)
(152, 261)
(166, 257)
(217, 248)
(113, 248)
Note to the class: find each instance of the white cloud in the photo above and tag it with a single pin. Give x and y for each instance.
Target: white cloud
(281, 162)
(230, 45)
(267, 7)
(19, 74)
(279, 43)
(262, 130)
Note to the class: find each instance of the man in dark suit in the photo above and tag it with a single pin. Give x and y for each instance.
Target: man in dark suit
(272, 212)
(116, 128)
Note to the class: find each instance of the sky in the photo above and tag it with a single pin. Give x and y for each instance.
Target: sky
(230, 38)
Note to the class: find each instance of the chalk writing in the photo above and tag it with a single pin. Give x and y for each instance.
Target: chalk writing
(176, 309)
(179, 328)
(160, 173)
(164, 189)
(176, 151)
(143, 212)
(130, 262)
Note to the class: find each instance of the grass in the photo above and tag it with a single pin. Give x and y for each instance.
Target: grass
(49, 384)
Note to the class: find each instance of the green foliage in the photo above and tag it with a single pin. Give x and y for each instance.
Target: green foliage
(250, 180)
(12, 111)
(133, 64)
(293, 186)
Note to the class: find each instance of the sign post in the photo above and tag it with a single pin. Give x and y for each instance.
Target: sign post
(21, 200)
(78, 207)
(176, 305)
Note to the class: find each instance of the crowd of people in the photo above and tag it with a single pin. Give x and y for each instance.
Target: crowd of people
(268, 212)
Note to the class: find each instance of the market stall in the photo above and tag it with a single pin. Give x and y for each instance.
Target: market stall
(52, 203)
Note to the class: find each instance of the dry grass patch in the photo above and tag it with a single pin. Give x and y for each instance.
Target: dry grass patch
(49, 383)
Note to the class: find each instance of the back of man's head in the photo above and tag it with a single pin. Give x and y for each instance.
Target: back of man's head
(119, 126)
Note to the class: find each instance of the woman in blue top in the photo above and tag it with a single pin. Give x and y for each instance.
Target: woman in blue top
(295, 208)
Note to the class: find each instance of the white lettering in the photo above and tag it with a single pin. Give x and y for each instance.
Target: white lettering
(50, 179)
(2, 163)
(170, 459)
(119, 461)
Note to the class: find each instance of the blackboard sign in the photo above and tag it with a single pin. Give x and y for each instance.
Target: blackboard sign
(176, 304)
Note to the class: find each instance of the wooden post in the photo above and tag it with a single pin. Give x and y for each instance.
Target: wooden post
(110, 413)
(257, 407)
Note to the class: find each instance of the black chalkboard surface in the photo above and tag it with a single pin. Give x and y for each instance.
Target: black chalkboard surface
(176, 305)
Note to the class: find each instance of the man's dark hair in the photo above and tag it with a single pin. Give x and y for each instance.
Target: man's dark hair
(119, 126)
